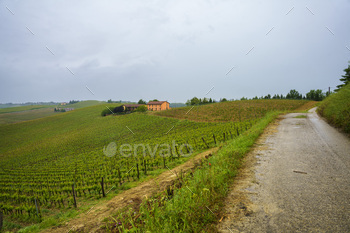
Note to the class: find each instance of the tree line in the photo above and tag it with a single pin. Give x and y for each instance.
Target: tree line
(316, 95)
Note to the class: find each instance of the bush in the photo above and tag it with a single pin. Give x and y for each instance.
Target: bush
(142, 108)
(106, 112)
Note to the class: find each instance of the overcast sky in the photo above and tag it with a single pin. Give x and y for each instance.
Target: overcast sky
(169, 50)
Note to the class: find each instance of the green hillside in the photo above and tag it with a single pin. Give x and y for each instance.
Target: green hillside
(41, 159)
(31, 112)
(24, 108)
(231, 110)
(84, 104)
(336, 108)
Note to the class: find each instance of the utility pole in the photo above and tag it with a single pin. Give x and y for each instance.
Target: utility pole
(329, 90)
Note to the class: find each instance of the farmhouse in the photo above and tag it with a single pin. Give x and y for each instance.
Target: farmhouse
(158, 105)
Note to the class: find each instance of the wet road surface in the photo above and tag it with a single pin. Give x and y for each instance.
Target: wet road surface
(299, 181)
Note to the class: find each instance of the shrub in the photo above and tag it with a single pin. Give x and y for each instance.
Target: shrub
(105, 112)
(142, 108)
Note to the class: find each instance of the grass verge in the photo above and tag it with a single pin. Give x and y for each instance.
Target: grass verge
(336, 109)
(194, 203)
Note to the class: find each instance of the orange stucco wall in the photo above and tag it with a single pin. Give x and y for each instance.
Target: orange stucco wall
(158, 107)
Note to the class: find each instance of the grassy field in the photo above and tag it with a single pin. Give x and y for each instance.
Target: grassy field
(84, 104)
(19, 116)
(196, 205)
(24, 108)
(336, 109)
(231, 110)
(41, 159)
(32, 112)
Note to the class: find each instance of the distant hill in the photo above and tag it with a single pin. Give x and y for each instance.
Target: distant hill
(32, 112)
(11, 105)
(83, 104)
(24, 108)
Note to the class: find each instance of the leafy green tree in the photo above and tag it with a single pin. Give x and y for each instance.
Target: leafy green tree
(194, 101)
(223, 100)
(293, 94)
(73, 101)
(316, 95)
(345, 79)
(142, 108)
(267, 97)
(210, 100)
(109, 101)
(141, 101)
(205, 101)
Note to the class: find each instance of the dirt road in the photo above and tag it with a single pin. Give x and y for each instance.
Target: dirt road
(297, 179)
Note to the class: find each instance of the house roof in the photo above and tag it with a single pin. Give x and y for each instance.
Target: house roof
(156, 102)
